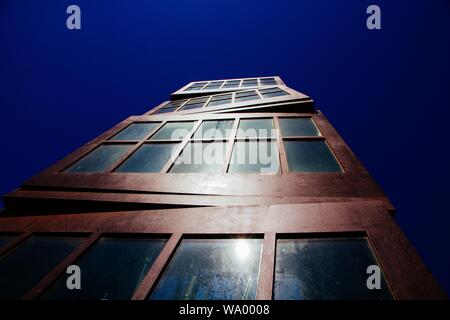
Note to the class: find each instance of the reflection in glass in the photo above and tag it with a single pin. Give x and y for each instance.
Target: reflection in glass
(173, 131)
(214, 129)
(291, 127)
(135, 131)
(310, 156)
(254, 157)
(111, 270)
(23, 267)
(101, 159)
(148, 158)
(255, 128)
(205, 157)
(211, 269)
(325, 269)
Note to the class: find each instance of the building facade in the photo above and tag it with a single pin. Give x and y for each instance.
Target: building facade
(232, 189)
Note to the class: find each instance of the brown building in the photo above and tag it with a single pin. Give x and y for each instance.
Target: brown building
(233, 189)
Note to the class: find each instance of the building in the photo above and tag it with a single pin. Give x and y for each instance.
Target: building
(281, 209)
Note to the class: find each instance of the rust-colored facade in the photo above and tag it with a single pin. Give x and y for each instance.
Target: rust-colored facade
(287, 203)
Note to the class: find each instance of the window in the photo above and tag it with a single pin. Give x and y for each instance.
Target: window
(196, 86)
(100, 159)
(292, 127)
(267, 81)
(169, 107)
(22, 268)
(255, 128)
(310, 156)
(205, 157)
(214, 85)
(194, 104)
(232, 84)
(173, 131)
(211, 269)
(246, 96)
(136, 131)
(149, 157)
(325, 269)
(111, 270)
(250, 83)
(255, 157)
(220, 100)
(272, 92)
(214, 129)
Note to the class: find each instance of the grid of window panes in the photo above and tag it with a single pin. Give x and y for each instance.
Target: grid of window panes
(221, 100)
(307, 267)
(235, 83)
(173, 146)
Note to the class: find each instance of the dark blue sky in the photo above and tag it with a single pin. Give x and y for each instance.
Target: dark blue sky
(386, 91)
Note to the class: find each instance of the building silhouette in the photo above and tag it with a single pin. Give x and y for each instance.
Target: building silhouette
(232, 189)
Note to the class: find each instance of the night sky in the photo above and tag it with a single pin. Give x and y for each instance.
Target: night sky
(385, 91)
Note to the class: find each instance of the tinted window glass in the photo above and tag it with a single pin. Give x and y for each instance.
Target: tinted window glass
(135, 131)
(291, 127)
(316, 269)
(100, 159)
(165, 110)
(214, 129)
(148, 158)
(22, 268)
(173, 131)
(254, 157)
(207, 269)
(255, 128)
(310, 156)
(206, 157)
(112, 269)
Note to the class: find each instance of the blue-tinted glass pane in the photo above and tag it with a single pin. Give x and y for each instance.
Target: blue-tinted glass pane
(4, 239)
(165, 110)
(111, 270)
(322, 269)
(148, 158)
(214, 129)
(205, 157)
(135, 131)
(254, 157)
(22, 268)
(173, 131)
(255, 128)
(101, 159)
(291, 127)
(274, 93)
(310, 156)
(207, 269)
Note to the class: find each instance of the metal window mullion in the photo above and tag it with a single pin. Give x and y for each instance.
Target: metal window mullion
(135, 147)
(230, 145)
(180, 148)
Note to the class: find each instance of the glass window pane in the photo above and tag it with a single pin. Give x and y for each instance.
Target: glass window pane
(250, 83)
(173, 131)
(101, 159)
(254, 157)
(111, 270)
(211, 269)
(194, 104)
(148, 158)
(246, 98)
(165, 110)
(22, 268)
(5, 238)
(135, 131)
(232, 84)
(256, 128)
(214, 129)
(206, 157)
(325, 269)
(291, 127)
(310, 156)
